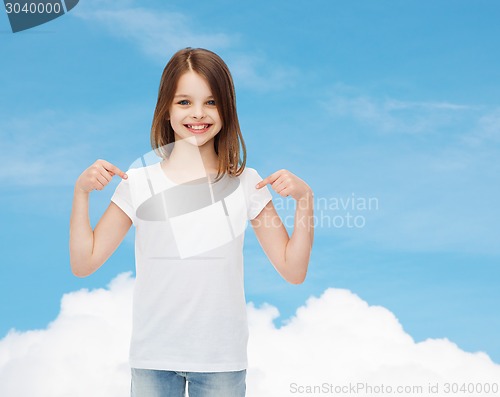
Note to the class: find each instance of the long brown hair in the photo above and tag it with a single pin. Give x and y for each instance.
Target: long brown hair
(213, 69)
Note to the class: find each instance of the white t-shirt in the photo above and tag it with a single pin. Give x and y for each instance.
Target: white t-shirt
(189, 310)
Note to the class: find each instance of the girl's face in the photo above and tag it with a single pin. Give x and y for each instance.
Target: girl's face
(193, 111)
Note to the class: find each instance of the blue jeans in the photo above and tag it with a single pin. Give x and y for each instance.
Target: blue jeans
(156, 383)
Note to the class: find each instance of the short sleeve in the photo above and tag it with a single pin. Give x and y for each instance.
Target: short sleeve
(256, 198)
(122, 197)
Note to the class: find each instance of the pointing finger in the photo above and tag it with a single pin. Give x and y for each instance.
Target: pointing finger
(270, 179)
(114, 169)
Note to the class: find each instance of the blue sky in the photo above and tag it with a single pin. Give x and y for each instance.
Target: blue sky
(396, 101)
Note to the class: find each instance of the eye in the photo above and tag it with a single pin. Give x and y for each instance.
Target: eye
(184, 102)
(211, 102)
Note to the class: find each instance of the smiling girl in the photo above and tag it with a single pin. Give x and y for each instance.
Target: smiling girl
(190, 210)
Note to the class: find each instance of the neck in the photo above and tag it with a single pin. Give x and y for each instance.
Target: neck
(190, 158)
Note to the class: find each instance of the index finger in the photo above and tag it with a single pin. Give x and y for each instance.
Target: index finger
(113, 168)
(270, 179)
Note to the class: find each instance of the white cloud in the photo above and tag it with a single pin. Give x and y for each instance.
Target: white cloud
(159, 34)
(335, 339)
(393, 115)
(432, 165)
(257, 73)
(81, 353)
(338, 338)
(487, 130)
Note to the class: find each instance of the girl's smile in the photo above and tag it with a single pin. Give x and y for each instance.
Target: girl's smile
(198, 128)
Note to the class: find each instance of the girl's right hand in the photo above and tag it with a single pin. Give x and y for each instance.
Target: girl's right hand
(97, 176)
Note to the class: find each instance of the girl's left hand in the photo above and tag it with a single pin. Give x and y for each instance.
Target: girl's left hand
(286, 184)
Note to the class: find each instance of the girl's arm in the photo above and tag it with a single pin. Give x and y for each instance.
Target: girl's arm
(289, 255)
(90, 249)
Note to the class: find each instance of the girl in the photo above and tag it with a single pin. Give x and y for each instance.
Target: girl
(190, 210)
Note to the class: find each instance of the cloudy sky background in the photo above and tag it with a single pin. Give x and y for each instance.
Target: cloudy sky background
(390, 101)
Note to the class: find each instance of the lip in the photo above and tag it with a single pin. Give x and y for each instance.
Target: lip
(197, 131)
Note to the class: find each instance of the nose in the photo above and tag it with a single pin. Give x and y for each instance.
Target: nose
(198, 112)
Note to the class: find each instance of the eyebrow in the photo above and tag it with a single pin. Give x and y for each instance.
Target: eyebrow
(187, 96)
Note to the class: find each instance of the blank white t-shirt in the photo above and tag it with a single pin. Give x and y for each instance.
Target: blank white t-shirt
(189, 308)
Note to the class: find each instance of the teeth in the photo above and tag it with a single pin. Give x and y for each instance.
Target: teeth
(198, 127)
